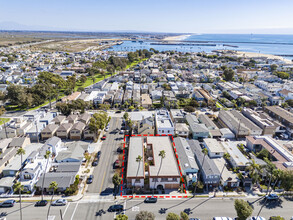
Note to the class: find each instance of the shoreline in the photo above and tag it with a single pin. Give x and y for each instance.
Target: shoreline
(176, 38)
(269, 56)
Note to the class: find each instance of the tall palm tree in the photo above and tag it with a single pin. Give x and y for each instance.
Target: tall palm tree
(53, 186)
(162, 154)
(19, 188)
(47, 156)
(254, 170)
(20, 152)
(205, 152)
(138, 160)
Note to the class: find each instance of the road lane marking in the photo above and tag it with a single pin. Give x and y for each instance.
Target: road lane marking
(65, 210)
(103, 179)
(74, 211)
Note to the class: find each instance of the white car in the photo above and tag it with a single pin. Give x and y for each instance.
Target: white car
(59, 202)
(222, 218)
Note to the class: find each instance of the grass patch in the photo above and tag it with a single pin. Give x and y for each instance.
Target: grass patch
(4, 120)
(218, 105)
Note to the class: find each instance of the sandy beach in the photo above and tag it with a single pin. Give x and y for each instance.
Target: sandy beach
(269, 56)
(176, 38)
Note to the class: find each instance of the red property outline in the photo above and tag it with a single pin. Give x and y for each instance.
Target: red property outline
(177, 159)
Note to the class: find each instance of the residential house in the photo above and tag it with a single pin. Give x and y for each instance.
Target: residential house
(85, 118)
(186, 159)
(76, 131)
(177, 116)
(73, 152)
(215, 149)
(49, 131)
(209, 171)
(146, 101)
(59, 119)
(64, 130)
(182, 130)
(146, 126)
(72, 118)
(164, 124)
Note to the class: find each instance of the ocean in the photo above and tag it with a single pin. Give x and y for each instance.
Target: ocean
(259, 43)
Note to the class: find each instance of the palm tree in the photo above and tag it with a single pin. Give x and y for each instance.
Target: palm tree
(205, 152)
(53, 186)
(162, 154)
(47, 156)
(19, 188)
(138, 160)
(254, 169)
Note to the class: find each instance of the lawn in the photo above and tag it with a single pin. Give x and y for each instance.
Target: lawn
(219, 105)
(90, 82)
(4, 120)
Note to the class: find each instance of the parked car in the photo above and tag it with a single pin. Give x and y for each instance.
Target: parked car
(95, 163)
(104, 137)
(7, 203)
(107, 129)
(257, 218)
(59, 202)
(119, 150)
(90, 179)
(117, 112)
(272, 196)
(117, 163)
(115, 208)
(121, 132)
(150, 200)
(41, 203)
(99, 154)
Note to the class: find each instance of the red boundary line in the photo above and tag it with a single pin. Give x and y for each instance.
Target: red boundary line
(177, 159)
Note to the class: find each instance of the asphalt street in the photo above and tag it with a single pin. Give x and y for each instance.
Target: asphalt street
(103, 173)
(203, 208)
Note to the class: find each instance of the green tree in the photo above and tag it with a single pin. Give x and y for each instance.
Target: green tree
(254, 170)
(47, 157)
(243, 209)
(287, 180)
(121, 217)
(126, 116)
(17, 187)
(145, 215)
(116, 180)
(264, 153)
(184, 216)
(277, 218)
(98, 122)
(273, 67)
(228, 74)
(172, 216)
(189, 109)
(64, 108)
(283, 75)
(53, 186)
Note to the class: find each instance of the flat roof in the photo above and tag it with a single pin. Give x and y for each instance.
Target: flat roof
(135, 169)
(168, 166)
(288, 116)
(235, 153)
(213, 145)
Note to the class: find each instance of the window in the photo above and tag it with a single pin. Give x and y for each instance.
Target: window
(168, 131)
(137, 180)
(164, 179)
(27, 176)
(174, 179)
(155, 179)
(163, 131)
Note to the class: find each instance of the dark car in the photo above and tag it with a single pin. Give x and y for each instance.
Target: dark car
(99, 154)
(41, 203)
(90, 179)
(104, 137)
(118, 111)
(115, 208)
(150, 200)
(8, 203)
(95, 163)
(119, 150)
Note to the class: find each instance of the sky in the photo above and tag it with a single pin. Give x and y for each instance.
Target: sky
(173, 16)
